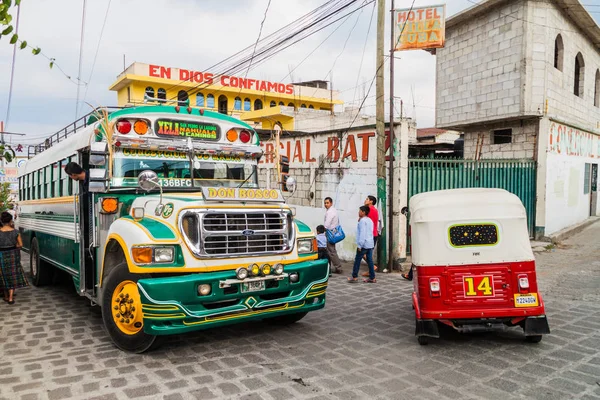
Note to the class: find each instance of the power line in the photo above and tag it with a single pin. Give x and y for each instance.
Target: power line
(87, 86)
(362, 104)
(270, 49)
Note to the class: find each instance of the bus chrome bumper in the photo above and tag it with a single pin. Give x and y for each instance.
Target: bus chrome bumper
(172, 305)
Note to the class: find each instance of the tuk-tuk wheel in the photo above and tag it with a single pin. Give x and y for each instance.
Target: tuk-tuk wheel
(424, 340)
(533, 338)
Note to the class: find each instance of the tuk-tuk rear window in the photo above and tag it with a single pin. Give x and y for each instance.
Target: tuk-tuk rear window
(473, 235)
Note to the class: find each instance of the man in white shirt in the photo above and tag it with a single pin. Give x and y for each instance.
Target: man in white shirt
(332, 221)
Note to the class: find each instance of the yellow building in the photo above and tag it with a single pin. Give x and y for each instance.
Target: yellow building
(258, 102)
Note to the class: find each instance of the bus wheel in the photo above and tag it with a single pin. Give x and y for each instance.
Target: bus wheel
(41, 272)
(287, 319)
(122, 311)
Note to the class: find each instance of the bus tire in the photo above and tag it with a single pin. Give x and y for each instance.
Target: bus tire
(122, 311)
(41, 272)
(287, 319)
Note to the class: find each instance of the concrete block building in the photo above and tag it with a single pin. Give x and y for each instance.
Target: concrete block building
(521, 79)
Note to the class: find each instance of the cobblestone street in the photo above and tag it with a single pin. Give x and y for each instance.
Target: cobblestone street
(361, 346)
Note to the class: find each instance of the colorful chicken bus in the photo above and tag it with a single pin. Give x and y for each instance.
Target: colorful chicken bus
(169, 232)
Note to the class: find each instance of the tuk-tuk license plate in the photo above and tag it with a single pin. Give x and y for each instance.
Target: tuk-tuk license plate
(526, 300)
(253, 286)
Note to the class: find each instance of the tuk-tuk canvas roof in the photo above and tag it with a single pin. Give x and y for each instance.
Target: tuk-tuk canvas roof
(433, 213)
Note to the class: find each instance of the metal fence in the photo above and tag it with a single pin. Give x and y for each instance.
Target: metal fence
(516, 176)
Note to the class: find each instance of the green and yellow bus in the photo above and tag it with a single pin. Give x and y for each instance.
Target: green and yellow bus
(170, 233)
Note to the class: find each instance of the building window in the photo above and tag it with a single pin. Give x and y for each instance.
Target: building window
(281, 103)
(559, 49)
(303, 106)
(223, 106)
(182, 98)
(210, 101)
(310, 106)
(258, 104)
(237, 104)
(290, 104)
(502, 136)
(272, 104)
(199, 100)
(578, 86)
(586, 178)
(150, 92)
(162, 95)
(247, 104)
(597, 89)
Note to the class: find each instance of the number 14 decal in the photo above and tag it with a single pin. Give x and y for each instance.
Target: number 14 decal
(478, 285)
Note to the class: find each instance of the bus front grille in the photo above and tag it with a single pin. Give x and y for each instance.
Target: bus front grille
(234, 233)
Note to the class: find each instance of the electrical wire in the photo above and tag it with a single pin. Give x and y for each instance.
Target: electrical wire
(345, 133)
(87, 86)
(268, 50)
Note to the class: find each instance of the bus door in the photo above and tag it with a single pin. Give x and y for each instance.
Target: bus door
(87, 254)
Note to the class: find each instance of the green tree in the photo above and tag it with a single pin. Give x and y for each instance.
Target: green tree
(5, 199)
(6, 152)
(7, 27)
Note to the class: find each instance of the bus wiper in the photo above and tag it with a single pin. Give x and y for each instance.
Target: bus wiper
(249, 176)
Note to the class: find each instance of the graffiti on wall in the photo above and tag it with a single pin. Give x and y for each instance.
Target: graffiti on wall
(570, 141)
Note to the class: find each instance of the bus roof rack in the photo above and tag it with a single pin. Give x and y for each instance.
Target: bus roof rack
(67, 131)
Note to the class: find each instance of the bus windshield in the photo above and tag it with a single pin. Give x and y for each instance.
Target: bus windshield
(173, 169)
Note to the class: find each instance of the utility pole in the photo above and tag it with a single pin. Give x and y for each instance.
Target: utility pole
(391, 165)
(380, 129)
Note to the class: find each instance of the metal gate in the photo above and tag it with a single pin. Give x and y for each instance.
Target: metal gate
(516, 176)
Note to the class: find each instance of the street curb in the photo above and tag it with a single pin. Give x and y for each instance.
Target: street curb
(572, 230)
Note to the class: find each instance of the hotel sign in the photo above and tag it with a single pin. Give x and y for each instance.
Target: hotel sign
(420, 28)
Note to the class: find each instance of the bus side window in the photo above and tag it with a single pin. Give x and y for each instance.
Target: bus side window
(49, 184)
(56, 179)
(34, 185)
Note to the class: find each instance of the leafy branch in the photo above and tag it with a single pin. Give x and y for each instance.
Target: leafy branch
(6, 23)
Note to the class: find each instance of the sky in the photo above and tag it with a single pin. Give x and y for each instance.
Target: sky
(194, 34)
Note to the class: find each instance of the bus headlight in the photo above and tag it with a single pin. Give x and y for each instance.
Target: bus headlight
(164, 254)
(241, 273)
(265, 269)
(278, 269)
(305, 246)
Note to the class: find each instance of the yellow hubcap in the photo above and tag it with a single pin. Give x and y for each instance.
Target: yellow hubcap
(127, 308)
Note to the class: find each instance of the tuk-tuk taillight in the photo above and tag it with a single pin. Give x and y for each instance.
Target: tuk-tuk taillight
(523, 283)
(434, 287)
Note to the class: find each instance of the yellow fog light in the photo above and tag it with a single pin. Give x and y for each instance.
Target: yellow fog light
(241, 273)
(278, 269)
(142, 255)
(254, 269)
(204, 289)
(265, 269)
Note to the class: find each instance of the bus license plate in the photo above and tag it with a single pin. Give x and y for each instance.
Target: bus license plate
(526, 300)
(253, 286)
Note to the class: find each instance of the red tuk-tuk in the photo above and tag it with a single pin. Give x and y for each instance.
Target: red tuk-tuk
(473, 267)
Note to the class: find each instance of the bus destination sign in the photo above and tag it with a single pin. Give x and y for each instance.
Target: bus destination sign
(194, 130)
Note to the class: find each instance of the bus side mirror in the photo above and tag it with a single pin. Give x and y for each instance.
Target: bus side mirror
(98, 182)
(290, 184)
(98, 153)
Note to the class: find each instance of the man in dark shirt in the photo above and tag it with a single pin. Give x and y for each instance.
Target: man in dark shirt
(77, 173)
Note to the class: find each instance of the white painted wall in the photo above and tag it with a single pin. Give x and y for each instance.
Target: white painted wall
(568, 150)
